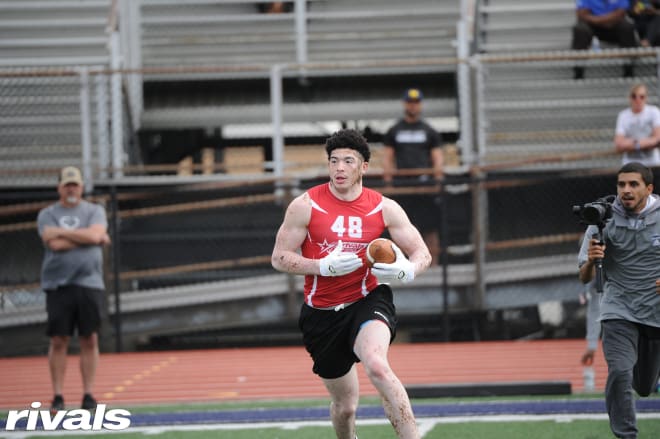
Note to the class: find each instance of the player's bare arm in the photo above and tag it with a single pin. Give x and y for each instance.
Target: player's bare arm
(405, 235)
(289, 238)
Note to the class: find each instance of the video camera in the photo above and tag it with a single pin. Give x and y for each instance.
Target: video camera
(595, 213)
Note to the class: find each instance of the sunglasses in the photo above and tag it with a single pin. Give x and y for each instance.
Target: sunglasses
(636, 96)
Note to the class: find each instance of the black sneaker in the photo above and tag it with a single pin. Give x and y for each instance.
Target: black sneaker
(88, 402)
(57, 404)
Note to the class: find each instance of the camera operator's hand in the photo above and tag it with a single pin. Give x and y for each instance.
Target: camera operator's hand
(596, 250)
(588, 357)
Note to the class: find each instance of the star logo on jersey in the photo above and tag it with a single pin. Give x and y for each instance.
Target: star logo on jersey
(326, 247)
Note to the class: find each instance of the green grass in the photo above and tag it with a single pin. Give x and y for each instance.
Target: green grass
(580, 429)
(323, 402)
(559, 428)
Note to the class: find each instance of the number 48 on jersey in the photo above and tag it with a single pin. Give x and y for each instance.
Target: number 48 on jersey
(353, 225)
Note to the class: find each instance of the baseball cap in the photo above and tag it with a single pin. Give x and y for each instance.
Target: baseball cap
(70, 174)
(413, 94)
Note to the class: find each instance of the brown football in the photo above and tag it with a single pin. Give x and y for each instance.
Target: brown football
(380, 250)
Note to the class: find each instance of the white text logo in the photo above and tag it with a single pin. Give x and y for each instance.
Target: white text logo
(78, 419)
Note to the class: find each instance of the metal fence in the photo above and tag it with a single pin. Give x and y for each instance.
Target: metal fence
(196, 163)
(508, 241)
(541, 145)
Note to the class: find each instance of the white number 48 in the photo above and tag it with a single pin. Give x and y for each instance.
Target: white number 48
(354, 226)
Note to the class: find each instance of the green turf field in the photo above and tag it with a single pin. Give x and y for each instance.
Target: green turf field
(577, 429)
(564, 426)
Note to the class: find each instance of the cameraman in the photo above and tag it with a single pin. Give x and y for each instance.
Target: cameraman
(630, 305)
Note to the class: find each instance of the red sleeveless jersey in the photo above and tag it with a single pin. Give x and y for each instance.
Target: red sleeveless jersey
(355, 223)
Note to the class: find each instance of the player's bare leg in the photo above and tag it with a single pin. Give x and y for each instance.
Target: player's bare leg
(344, 392)
(371, 347)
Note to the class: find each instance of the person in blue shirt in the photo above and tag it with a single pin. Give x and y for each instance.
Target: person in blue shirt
(608, 21)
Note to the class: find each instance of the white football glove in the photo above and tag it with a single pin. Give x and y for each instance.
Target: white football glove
(339, 263)
(401, 269)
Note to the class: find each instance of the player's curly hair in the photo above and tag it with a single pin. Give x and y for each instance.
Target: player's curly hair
(348, 138)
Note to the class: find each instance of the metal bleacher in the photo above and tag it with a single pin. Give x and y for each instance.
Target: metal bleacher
(532, 106)
(46, 33)
(386, 30)
(206, 64)
(383, 39)
(199, 33)
(370, 38)
(511, 25)
(40, 127)
(202, 33)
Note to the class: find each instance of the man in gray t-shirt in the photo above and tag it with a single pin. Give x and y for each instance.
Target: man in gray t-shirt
(630, 305)
(73, 232)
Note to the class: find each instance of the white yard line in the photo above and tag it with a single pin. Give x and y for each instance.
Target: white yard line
(425, 424)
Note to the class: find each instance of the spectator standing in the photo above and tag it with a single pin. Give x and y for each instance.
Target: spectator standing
(608, 21)
(348, 316)
(73, 232)
(637, 133)
(646, 16)
(630, 306)
(411, 143)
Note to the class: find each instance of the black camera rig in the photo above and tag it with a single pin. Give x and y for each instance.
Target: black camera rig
(597, 213)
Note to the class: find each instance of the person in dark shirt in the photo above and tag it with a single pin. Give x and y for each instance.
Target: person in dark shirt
(411, 144)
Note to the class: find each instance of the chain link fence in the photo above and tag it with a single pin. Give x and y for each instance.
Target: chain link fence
(47, 122)
(201, 185)
(173, 239)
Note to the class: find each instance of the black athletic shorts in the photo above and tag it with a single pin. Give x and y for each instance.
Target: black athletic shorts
(71, 307)
(329, 335)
